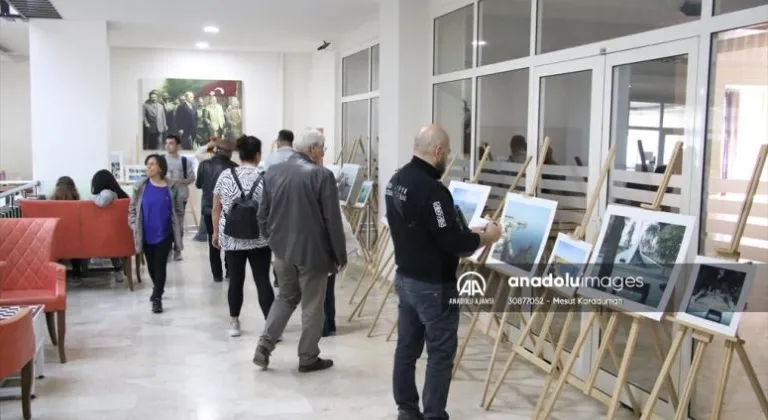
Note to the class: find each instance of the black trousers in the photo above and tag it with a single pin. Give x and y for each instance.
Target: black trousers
(214, 255)
(157, 261)
(259, 259)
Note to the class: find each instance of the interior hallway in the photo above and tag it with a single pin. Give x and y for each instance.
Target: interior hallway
(126, 363)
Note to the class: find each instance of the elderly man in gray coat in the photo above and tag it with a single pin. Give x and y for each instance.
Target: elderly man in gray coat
(301, 218)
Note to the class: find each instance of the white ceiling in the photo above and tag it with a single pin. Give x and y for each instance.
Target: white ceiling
(246, 25)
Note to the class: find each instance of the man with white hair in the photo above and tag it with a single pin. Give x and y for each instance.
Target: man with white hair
(301, 218)
(428, 239)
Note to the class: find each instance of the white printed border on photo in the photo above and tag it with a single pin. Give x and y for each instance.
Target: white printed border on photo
(581, 245)
(357, 182)
(134, 173)
(729, 330)
(365, 184)
(638, 214)
(476, 219)
(550, 205)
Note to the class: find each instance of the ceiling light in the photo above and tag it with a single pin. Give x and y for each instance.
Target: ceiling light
(211, 29)
(202, 44)
(478, 43)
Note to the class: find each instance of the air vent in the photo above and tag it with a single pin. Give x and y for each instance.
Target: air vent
(34, 9)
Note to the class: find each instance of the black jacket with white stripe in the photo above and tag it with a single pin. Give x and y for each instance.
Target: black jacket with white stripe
(426, 232)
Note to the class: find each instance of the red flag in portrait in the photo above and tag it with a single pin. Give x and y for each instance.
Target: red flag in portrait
(220, 88)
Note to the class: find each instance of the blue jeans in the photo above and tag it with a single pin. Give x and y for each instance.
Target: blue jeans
(425, 316)
(330, 307)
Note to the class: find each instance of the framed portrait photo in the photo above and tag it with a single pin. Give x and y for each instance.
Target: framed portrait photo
(716, 294)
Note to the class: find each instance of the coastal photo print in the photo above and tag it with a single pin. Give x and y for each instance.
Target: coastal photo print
(470, 199)
(525, 223)
(191, 108)
(716, 294)
(568, 259)
(639, 254)
(349, 178)
(365, 194)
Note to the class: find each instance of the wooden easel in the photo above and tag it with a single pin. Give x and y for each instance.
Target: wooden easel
(607, 342)
(481, 262)
(519, 348)
(703, 337)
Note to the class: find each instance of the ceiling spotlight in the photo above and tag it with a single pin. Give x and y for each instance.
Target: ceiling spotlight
(211, 29)
(201, 44)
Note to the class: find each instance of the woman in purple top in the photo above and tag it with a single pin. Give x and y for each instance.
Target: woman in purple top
(152, 216)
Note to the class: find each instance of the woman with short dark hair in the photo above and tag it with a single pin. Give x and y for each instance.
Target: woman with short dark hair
(233, 184)
(65, 189)
(105, 188)
(152, 216)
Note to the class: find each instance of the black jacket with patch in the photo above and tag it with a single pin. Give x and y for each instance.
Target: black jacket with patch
(425, 230)
(207, 174)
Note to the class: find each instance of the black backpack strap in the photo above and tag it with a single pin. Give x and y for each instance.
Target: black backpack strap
(237, 181)
(255, 184)
(184, 167)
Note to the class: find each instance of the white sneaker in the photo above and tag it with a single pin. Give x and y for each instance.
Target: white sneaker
(234, 329)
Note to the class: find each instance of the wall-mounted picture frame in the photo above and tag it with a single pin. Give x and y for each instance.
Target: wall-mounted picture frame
(134, 173)
(366, 190)
(116, 165)
(716, 294)
(568, 259)
(471, 200)
(640, 253)
(526, 222)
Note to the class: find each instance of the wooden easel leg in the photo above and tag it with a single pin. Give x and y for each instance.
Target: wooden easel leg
(381, 308)
(617, 362)
(545, 413)
(722, 384)
(492, 364)
(394, 327)
(464, 343)
(607, 338)
(507, 366)
(752, 376)
(556, 359)
(621, 378)
(685, 397)
(669, 385)
(377, 280)
(653, 398)
(368, 290)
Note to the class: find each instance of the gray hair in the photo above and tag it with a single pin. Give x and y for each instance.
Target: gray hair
(310, 137)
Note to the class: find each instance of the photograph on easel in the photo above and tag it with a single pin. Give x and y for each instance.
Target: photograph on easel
(525, 223)
(637, 258)
(567, 260)
(134, 173)
(349, 178)
(365, 194)
(471, 199)
(717, 294)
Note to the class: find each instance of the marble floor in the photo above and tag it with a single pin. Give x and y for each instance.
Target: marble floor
(126, 363)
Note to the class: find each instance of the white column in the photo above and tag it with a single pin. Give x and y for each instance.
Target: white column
(69, 95)
(404, 84)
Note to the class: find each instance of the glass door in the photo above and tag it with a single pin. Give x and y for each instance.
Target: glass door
(649, 96)
(567, 104)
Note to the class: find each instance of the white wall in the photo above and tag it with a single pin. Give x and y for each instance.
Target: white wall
(324, 91)
(261, 74)
(297, 75)
(15, 143)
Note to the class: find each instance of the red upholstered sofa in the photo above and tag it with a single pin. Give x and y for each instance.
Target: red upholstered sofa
(88, 231)
(28, 275)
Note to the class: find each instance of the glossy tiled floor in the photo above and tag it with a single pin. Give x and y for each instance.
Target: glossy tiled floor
(126, 363)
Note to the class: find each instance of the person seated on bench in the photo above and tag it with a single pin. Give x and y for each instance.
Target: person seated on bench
(104, 190)
(66, 189)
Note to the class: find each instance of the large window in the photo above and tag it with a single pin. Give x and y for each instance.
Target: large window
(568, 23)
(453, 111)
(454, 39)
(502, 113)
(355, 73)
(727, 6)
(504, 29)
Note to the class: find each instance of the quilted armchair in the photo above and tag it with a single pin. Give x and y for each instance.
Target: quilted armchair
(17, 353)
(28, 276)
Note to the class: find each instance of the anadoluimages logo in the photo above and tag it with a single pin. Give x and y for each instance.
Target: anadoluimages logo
(471, 284)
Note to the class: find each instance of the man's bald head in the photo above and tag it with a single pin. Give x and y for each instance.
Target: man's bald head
(433, 146)
(429, 138)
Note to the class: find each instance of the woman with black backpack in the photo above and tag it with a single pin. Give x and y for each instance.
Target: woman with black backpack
(236, 200)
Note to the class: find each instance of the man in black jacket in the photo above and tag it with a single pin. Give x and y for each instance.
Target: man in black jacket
(207, 174)
(428, 238)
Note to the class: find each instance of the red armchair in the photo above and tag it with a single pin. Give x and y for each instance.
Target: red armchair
(17, 353)
(28, 276)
